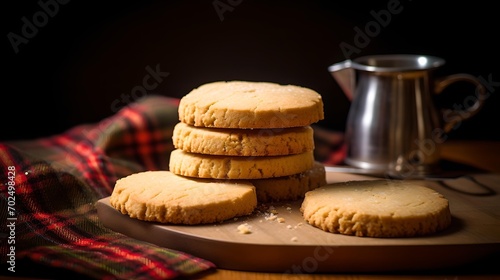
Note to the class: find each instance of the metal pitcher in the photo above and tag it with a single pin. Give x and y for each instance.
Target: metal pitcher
(393, 126)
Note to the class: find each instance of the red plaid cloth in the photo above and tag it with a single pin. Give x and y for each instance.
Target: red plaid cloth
(55, 181)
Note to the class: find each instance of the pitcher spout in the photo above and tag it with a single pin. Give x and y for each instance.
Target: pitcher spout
(343, 73)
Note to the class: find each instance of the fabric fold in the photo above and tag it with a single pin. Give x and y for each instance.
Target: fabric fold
(55, 182)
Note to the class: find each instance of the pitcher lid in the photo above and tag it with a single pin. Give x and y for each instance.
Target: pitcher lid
(396, 62)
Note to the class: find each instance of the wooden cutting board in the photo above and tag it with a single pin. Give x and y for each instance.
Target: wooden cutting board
(286, 243)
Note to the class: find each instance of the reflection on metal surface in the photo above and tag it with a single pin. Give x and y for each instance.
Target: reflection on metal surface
(393, 126)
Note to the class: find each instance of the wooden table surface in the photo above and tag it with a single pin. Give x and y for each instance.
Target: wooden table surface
(484, 155)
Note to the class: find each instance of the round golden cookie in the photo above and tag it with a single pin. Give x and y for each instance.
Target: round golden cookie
(243, 142)
(227, 167)
(291, 187)
(379, 208)
(161, 196)
(243, 104)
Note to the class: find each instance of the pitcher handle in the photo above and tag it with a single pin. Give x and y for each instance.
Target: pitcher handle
(454, 117)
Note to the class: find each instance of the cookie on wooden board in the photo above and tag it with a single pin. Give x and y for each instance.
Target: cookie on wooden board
(291, 187)
(161, 196)
(378, 208)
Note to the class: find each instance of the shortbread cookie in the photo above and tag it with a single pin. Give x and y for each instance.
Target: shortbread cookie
(242, 104)
(379, 208)
(291, 187)
(161, 196)
(243, 142)
(226, 167)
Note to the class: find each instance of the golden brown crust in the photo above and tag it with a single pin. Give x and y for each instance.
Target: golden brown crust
(161, 196)
(291, 187)
(243, 142)
(379, 208)
(225, 167)
(242, 104)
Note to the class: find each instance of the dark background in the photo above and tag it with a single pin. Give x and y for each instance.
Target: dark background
(90, 53)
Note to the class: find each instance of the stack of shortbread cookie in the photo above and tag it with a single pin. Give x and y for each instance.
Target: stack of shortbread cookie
(237, 144)
(253, 131)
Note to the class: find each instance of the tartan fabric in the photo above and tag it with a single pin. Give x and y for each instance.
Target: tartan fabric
(56, 183)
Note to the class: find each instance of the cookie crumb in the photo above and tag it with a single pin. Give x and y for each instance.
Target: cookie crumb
(244, 228)
(280, 220)
(294, 239)
(272, 210)
(271, 217)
